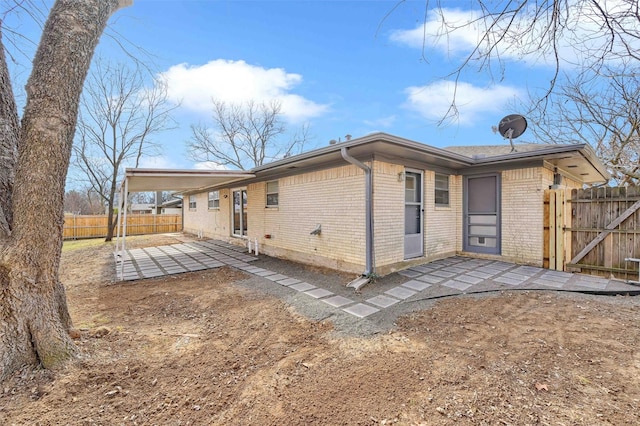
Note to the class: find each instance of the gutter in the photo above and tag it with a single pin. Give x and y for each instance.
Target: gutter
(368, 219)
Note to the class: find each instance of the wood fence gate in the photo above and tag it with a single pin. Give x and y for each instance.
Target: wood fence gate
(593, 231)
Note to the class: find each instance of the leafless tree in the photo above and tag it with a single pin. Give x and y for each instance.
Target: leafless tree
(604, 113)
(244, 135)
(34, 158)
(83, 202)
(143, 198)
(588, 35)
(118, 118)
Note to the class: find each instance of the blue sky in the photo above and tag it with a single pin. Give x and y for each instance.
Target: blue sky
(343, 67)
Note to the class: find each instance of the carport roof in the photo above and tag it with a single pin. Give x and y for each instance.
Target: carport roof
(147, 180)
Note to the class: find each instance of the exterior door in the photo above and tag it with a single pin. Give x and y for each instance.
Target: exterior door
(413, 241)
(239, 216)
(482, 214)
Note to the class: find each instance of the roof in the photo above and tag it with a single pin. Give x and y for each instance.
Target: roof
(578, 161)
(142, 206)
(481, 151)
(174, 202)
(146, 180)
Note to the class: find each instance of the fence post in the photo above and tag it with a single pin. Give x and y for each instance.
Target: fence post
(552, 229)
(559, 222)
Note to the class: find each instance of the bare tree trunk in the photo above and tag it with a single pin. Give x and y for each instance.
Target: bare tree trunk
(112, 219)
(34, 318)
(9, 133)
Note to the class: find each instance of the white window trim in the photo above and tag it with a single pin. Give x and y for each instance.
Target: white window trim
(272, 206)
(209, 200)
(436, 189)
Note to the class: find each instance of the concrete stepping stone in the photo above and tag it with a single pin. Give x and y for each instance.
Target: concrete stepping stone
(514, 276)
(416, 285)
(548, 283)
(593, 285)
(288, 281)
(469, 279)
(527, 270)
(556, 277)
(479, 274)
(318, 293)
(509, 281)
(454, 269)
(337, 301)
(422, 269)
(431, 279)
(382, 301)
(302, 287)
(361, 310)
(265, 273)
(457, 285)
(409, 273)
(400, 292)
(443, 273)
(276, 277)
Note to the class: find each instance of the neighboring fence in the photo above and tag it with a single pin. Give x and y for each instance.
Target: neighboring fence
(95, 226)
(593, 231)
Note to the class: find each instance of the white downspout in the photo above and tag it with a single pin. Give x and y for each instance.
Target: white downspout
(368, 209)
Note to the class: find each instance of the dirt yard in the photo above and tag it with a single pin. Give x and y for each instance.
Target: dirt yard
(204, 348)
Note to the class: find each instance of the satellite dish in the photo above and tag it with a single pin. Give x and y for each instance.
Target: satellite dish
(511, 127)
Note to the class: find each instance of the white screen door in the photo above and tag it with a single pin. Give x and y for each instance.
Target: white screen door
(413, 215)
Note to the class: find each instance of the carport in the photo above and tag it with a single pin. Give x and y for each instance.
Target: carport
(152, 180)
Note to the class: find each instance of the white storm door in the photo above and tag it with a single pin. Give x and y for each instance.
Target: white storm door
(239, 214)
(413, 239)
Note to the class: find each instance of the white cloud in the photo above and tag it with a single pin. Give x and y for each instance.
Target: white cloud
(237, 82)
(209, 165)
(434, 100)
(432, 33)
(384, 122)
(458, 32)
(157, 162)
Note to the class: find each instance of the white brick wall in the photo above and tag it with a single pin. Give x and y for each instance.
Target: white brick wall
(213, 223)
(522, 220)
(335, 199)
(388, 207)
(442, 224)
(522, 213)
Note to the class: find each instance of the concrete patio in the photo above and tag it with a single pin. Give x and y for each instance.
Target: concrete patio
(178, 258)
(446, 277)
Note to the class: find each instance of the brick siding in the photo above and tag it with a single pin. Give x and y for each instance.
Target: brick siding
(335, 200)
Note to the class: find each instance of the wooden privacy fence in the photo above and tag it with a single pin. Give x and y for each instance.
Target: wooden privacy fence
(95, 226)
(593, 231)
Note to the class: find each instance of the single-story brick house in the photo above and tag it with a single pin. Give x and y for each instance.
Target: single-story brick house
(381, 203)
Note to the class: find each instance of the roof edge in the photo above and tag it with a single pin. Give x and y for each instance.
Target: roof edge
(370, 138)
(187, 172)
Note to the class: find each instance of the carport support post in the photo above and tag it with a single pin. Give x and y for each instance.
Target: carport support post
(121, 248)
(124, 225)
(117, 255)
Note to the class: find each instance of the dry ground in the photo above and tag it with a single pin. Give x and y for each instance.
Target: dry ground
(199, 349)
